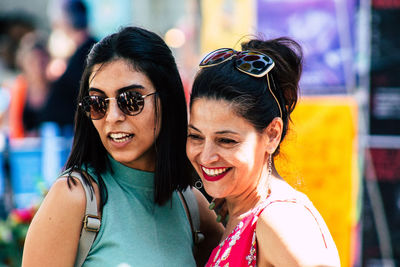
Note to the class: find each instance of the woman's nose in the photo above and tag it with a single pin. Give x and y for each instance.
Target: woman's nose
(114, 113)
(208, 154)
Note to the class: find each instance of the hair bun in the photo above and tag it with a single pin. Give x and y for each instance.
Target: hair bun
(288, 57)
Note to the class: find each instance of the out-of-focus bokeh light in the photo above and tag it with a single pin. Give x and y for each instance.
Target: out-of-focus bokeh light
(175, 38)
(60, 45)
(56, 68)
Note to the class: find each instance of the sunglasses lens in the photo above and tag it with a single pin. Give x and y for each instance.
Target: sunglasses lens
(94, 106)
(131, 102)
(254, 63)
(217, 56)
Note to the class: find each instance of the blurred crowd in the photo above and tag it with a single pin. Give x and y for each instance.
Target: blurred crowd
(40, 71)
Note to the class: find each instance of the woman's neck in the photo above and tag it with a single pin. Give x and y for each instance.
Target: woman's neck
(239, 206)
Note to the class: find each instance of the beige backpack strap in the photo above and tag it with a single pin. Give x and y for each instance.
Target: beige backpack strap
(192, 209)
(91, 223)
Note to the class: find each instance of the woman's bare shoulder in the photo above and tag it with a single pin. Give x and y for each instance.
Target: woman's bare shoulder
(53, 236)
(289, 234)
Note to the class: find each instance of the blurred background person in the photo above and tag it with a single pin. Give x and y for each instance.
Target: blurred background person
(14, 25)
(30, 89)
(71, 18)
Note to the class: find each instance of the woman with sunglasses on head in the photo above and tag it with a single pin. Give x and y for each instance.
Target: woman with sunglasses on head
(240, 108)
(129, 147)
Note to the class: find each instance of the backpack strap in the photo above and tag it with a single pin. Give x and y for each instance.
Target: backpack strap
(91, 223)
(192, 209)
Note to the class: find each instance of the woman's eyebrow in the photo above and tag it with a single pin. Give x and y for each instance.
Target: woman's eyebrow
(96, 90)
(194, 128)
(129, 87)
(218, 132)
(120, 90)
(227, 132)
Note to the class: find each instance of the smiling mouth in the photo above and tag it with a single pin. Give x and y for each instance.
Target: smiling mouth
(214, 174)
(120, 137)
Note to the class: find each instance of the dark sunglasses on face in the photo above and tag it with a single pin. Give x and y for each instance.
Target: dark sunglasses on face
(130, 103)
(253, 63)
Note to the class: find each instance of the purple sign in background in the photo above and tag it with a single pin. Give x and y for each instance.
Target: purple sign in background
(324, 29)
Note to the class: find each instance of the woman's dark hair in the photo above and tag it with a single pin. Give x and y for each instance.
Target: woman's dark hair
(250, 95)
(145, 52)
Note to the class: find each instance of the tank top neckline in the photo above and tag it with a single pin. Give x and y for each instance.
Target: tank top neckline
(130, 176)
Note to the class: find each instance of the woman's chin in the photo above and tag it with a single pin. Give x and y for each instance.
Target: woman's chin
(214, 191)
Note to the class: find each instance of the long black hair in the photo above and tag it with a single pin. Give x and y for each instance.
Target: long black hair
(146, 52)
(250, 95)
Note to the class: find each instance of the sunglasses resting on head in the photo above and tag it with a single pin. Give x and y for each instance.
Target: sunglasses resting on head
(130, 103)
(252, 63)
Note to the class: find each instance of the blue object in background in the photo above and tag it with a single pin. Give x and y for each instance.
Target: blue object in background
(51, 152)
(118, 13)
(35, 163)
(2, 176)
(25, 159)
(325, 30)
(2, 170)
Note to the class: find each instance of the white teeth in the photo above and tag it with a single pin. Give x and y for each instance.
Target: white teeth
(120, 137)
(214, 172)
(121, 140)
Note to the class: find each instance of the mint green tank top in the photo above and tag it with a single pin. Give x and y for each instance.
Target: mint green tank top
(134, 230)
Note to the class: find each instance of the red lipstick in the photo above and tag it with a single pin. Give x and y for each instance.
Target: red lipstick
(214, 178)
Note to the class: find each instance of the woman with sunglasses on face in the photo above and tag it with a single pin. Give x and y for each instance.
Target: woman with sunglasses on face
(240, 108)
(129, 147)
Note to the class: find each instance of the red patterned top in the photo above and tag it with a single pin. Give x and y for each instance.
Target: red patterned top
(240, 247)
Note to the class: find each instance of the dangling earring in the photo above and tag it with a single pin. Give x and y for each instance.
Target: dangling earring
(269, 166)
(198, 184)
(269, 173)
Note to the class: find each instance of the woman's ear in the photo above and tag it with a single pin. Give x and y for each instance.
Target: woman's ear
(273, 134)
